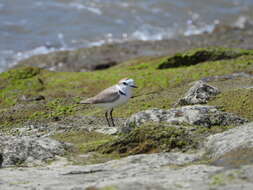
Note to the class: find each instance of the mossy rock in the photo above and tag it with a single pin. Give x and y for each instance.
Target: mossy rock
(150, 138)
(201, 55)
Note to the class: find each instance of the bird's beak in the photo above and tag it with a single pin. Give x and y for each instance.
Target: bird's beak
(133, 86)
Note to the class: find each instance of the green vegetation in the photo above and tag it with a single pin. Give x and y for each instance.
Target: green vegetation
(159, 137)
(149, 138)
(157, 87)
(238, 101)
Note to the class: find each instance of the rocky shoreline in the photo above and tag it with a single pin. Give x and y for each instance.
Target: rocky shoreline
(97, 58)
(189, 125)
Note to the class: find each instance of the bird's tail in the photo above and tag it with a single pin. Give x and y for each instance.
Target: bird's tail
(87, 101)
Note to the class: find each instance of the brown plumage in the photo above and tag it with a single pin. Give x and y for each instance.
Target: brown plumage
(108, 95)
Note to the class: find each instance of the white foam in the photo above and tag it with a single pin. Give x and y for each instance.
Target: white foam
(241, 22)
(148, 32)
(196, 30)
(195, 25)
(96, 43)
(80, 6)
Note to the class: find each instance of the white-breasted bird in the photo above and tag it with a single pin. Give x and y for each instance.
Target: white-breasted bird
(112, 97)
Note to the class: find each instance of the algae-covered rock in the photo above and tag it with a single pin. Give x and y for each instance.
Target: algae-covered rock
(151, 138)
(201, 55)
(220, 144)
(202, 115)
(199, 93)
(29, 150)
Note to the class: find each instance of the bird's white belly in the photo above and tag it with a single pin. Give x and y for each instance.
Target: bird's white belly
(120, 101)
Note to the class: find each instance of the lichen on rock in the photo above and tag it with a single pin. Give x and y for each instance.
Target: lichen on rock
(29, 150)
(202, 115)
(199, 93)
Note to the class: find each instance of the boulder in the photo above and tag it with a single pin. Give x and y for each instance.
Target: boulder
(202, 115)
(29, 150)
(234, 139)
(142, 172)
(199, 93)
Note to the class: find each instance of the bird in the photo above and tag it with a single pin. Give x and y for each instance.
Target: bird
(112, 97)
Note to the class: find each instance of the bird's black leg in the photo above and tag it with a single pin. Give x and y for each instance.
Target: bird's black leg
(107, 119)
(112, 118)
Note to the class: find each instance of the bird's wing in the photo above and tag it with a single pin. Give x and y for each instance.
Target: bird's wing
(106, 96)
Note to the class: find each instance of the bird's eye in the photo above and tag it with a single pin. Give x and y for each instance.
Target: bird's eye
(125, 83)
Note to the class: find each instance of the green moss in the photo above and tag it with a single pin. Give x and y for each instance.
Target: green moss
(201, 55)
(54, 109)
(17, 82)
(238, 101)
(150, 138)
(21, 73)
(62, 90)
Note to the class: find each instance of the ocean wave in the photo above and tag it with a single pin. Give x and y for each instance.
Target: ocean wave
(11, 58)
(80, 6)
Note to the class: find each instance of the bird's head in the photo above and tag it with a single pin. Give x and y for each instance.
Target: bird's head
(127, 83)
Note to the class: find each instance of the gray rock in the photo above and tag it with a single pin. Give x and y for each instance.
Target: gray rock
(222, 143)
(199, 93)
(233, 179)
(170, 171)
(29, 150)
(202, 115)
(157, 171)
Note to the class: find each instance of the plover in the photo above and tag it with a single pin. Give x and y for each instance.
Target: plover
(112, 97)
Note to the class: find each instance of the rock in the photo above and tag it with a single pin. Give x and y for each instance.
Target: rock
(157, 160)
(29, 150)
(1, 159)
(232, 179)
(240, 137)
(170, 171)
(235, 158)
(95, 58)
(202, 115)
(199, 93)
(29, 98)
(158, 171)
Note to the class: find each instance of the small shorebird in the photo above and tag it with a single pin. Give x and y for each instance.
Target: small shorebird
(113, 96)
